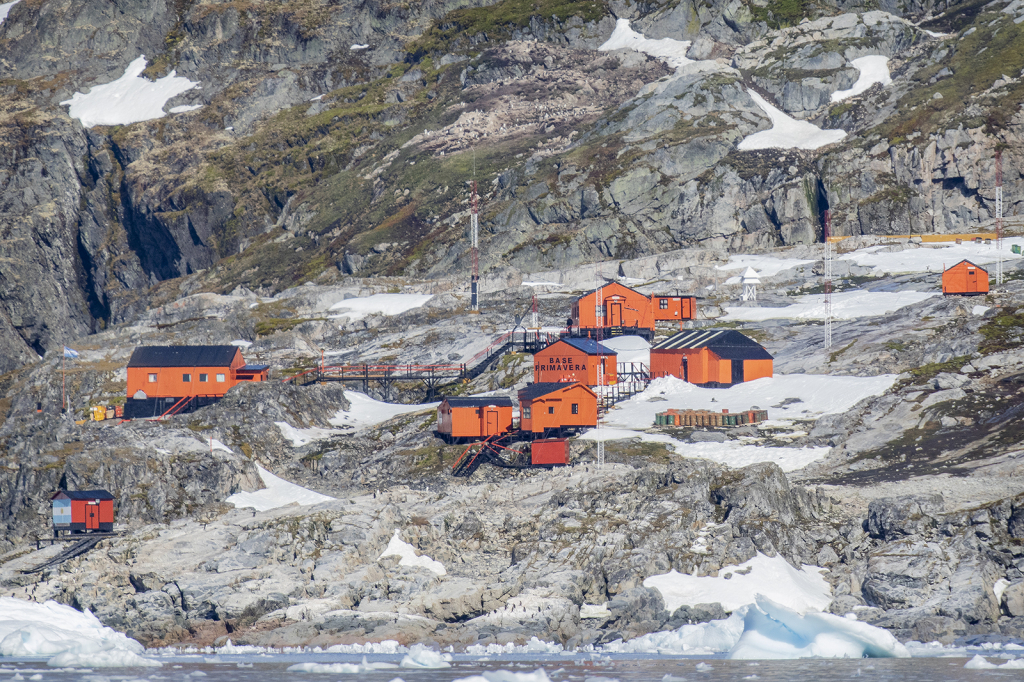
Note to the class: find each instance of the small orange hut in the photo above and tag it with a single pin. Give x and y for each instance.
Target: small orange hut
(965, 279)
(474, 418)
(622, 307)
(711, 357)
(76, 511)
(674, 307)
(575, 359)
(555, 407)
(183, 378)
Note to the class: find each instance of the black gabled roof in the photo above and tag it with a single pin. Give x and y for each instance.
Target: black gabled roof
(727, 344)
(84, 495)
(533, 391)
(969, 263)
(496, 400)
(588, 346)
(183, 356)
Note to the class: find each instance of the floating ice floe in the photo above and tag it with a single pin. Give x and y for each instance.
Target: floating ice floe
(421, 657)
(847, 305)
(787, 132)
(873, 69)
(802, 590)
(378, 304)
(278, 493)
(129, 99)
(979, 662)
(71, 638)
(340, 668)
(5, 9)
(507, 676)
(396, 547)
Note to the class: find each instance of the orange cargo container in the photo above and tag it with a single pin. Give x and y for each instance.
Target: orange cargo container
(714, 358)
(468, 419)
(965, 279)
(555, 408)
(549, 451)
(574, 359)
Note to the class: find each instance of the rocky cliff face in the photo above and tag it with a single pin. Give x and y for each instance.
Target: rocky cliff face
(580, 155)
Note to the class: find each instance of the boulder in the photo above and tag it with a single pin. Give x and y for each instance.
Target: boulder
(894, 517)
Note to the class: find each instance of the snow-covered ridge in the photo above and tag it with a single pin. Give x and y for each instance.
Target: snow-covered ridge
(129, 99)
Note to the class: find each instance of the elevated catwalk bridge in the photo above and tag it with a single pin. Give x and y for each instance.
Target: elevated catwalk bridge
(431, 376)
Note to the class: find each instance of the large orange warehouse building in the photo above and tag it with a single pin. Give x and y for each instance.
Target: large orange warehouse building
(964, 279)
(465, 419)
(161, 377)
(555, 408)
(711, 357)
(575, 359)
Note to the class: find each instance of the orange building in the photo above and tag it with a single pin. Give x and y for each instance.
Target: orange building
(77, 511)
(183, 378)
(575, 359)
(466, 419)
(965, 279)
(556, 407)
(622, 307)
(674, 307)
(711, 357)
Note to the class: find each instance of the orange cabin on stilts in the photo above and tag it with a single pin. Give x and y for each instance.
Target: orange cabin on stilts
(556, 407)
(183, 378)
(964, 279)
(570, 360)
(474, 419)
(712, 358)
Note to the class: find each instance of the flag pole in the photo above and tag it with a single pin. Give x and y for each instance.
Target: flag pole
(63, 385)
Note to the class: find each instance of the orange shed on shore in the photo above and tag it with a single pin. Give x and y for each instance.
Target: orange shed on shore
(575, 359)
(474, 418)
(551, 408)
(965, 279)
(711, 357)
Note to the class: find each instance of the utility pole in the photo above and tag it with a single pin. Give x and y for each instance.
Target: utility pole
(999, 216)
(474, 296)
(600, 366)
(827, 234)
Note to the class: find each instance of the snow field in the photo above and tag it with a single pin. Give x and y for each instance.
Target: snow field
(801, 590)
(765, 266)
(379, 304)
(278, 493)
(129, 99)
(396, 547)
(364, 411)
(932, 258)
(846, 305)
(787, 132)
(873, 69)
(672, 52)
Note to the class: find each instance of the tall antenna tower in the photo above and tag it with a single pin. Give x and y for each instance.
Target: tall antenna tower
(999, 216)
(827, 234)
(600, 317)
(474, 297)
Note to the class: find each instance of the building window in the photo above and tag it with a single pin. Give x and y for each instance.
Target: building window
(526, 412)
(551, 409)
(186, 378)
(575, 408)
(220, 378)
(663, 304)
(152, 378)
(204, 377)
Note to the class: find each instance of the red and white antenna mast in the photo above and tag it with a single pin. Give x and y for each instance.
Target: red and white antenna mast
(474, 294)
(999, 216)
(827, 234)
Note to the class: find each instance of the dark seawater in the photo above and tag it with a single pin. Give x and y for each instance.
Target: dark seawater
(577, 667)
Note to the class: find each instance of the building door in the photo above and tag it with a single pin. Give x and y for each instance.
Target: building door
(492, 421)
(682, 370)
(616, 314)
(737, 371)
(92, 516)
(972, 281)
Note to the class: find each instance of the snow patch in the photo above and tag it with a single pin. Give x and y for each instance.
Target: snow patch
(301, 437)
(364, 411)
(846, 305)
(241, 343)
(357, 47)
(629, 349)
(766, 266)
(183, 108)
(979, 309)
(129, 99)
(5, 9)
(278, 493)
(873, 69)
(409, 558)
(378, 304)
(787, 132)
(801, 590)
(672, 52)
(932, 258)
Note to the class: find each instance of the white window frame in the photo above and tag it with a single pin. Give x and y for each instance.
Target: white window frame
(221, 379)
(152, 377)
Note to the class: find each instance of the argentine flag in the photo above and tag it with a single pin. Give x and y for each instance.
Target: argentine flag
(70, 353)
